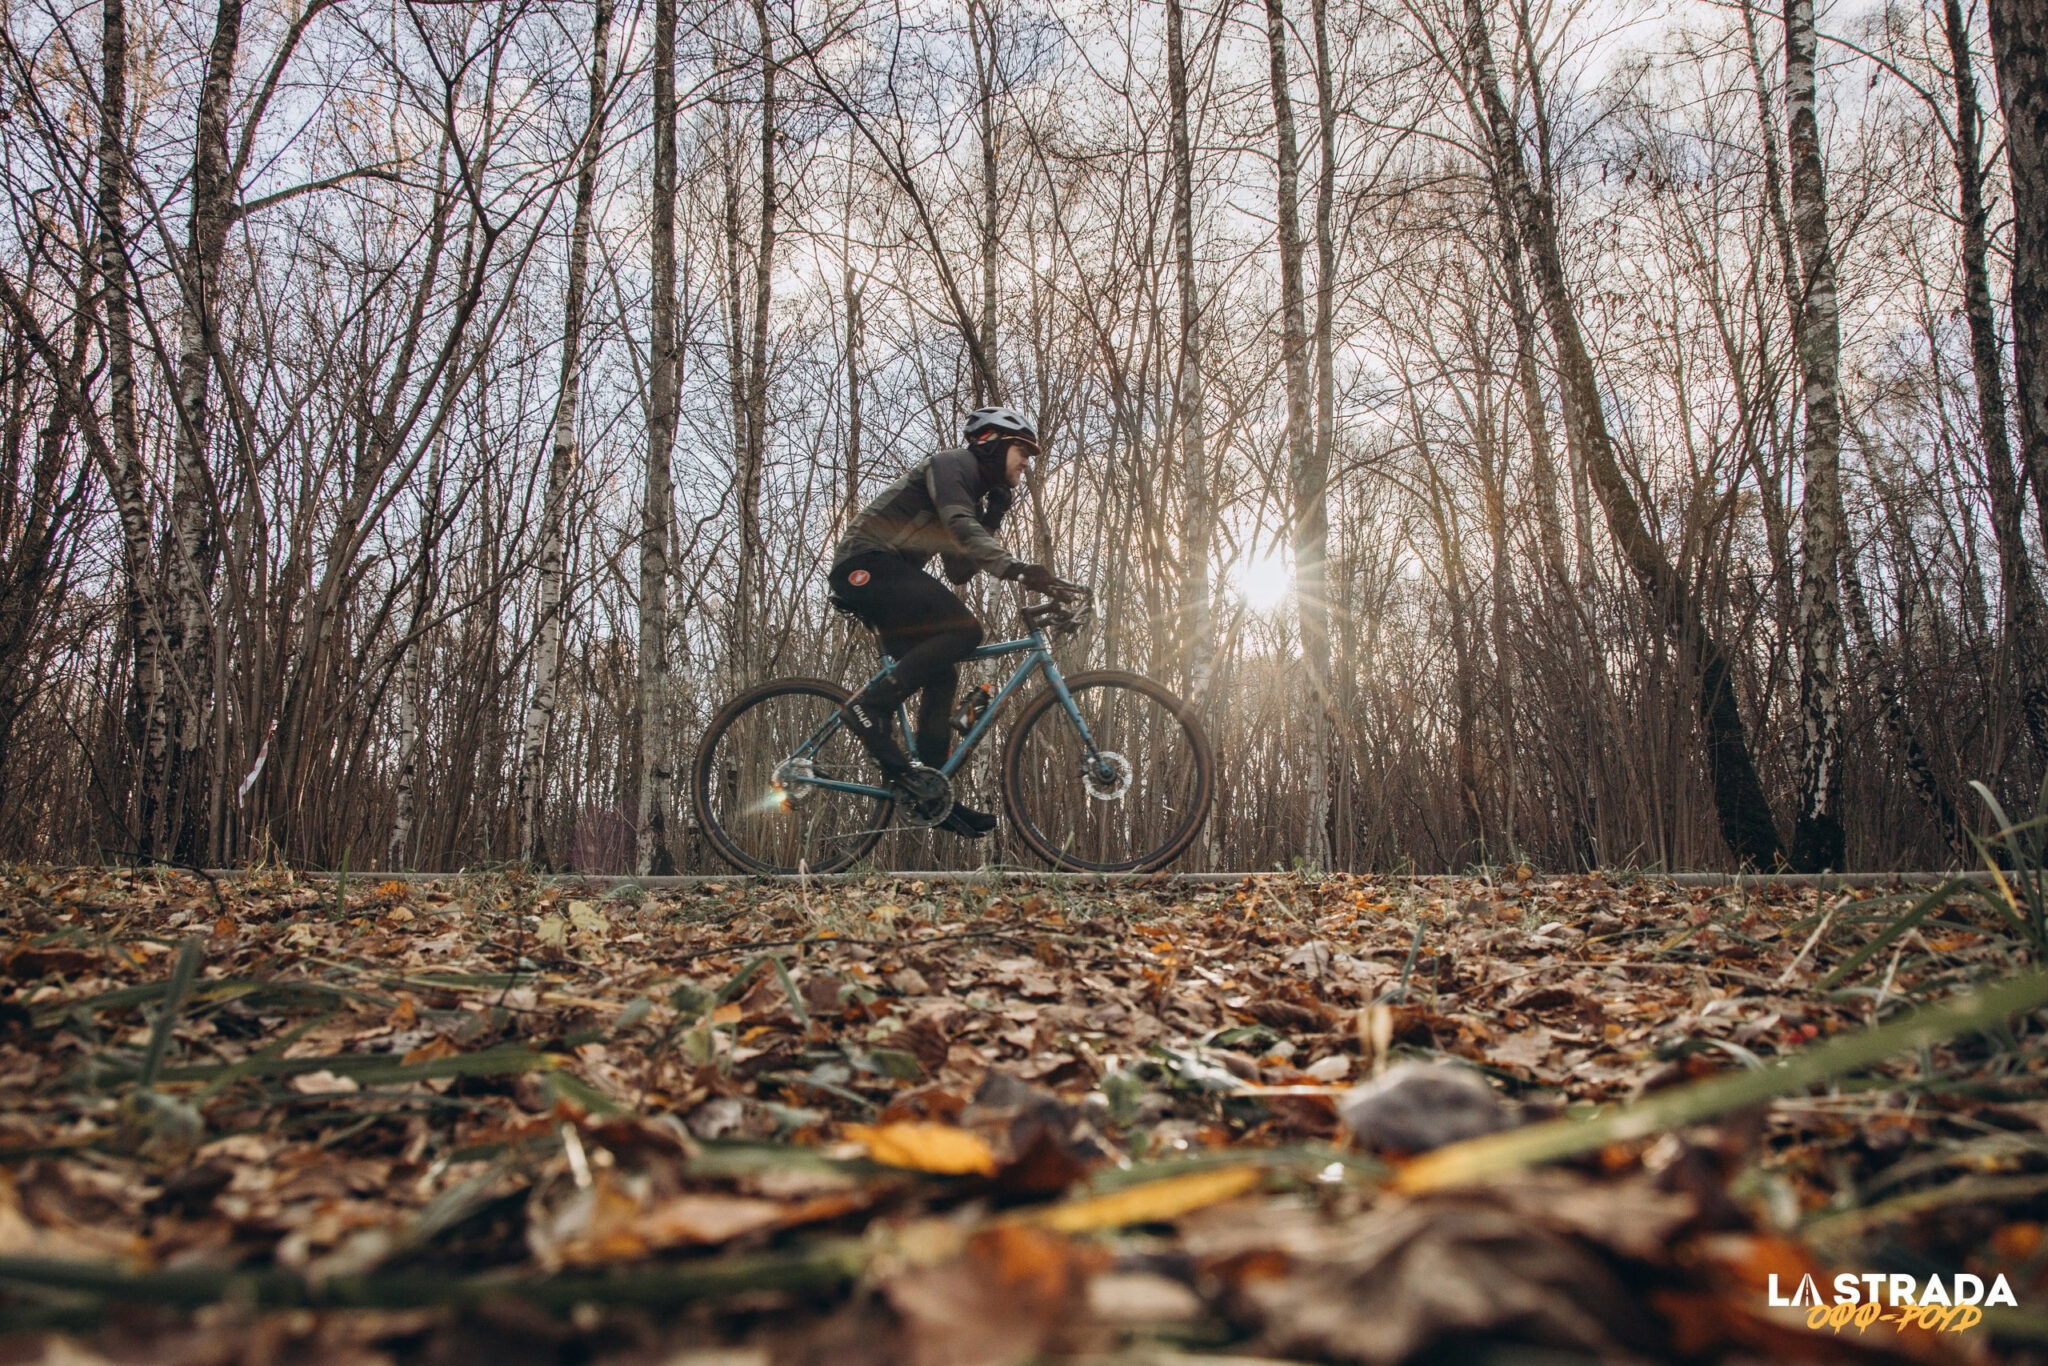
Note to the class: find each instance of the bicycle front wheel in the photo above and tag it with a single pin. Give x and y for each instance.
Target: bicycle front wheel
(752, 800)
(1132, 804)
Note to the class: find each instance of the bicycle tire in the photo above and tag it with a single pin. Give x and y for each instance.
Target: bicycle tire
(761, 844)
(1028, 750)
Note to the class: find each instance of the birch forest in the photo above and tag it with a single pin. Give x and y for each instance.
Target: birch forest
(1530, 431)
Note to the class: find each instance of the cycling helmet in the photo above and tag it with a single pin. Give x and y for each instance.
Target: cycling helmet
(1001, 422)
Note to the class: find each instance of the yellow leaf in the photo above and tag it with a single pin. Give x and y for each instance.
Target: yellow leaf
(585, 916)
(1151, 1202)
(553, 930)
(921, 1147)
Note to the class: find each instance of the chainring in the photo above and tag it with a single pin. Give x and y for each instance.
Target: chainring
(927, 797)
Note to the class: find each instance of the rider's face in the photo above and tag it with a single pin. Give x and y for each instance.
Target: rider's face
(1016, 460)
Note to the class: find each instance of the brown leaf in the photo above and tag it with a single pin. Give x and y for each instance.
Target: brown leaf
(1406, 1276)
(1291, 1016)
(26, 964)
(1015, 1292)
(924, 1040)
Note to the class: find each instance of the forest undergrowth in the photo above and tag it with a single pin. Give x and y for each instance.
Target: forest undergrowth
(271, 1119)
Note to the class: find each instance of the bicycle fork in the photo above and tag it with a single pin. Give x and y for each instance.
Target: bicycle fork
(1096, 768)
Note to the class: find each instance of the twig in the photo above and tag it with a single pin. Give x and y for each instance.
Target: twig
(1812, 939)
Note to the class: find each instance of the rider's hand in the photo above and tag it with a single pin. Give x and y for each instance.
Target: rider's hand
(1036, 577)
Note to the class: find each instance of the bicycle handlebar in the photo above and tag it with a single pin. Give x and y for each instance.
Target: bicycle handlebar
(1070, 606)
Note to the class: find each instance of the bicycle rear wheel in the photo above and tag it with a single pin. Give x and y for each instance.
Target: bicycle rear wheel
(760, 825)
(1136, 804)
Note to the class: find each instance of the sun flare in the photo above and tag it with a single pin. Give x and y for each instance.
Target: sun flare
(1263, 581)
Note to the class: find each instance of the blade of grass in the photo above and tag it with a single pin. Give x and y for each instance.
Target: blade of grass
(216, 991)
(1479, 1158)
(371, 1069)
(2007, 1192)
(821, 1265)
(183, 973)
(1925, 907)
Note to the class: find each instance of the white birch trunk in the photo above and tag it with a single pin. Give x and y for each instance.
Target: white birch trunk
(562, 459)
(657, 497)
(1817, 842)
(195, 547)
(1311, 527)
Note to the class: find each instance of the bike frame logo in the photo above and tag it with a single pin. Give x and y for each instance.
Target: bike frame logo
(1861, 1300)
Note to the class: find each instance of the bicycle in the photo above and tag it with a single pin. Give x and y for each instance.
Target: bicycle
(1105, 771)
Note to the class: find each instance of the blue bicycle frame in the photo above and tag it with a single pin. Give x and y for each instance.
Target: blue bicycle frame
(1037, 655)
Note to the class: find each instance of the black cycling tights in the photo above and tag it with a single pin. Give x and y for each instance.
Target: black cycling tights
(924, 627)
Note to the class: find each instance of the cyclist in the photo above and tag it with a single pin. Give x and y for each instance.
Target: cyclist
(949, 505)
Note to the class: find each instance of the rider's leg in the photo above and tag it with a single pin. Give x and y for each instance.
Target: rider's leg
(927, 629)
(935, 716)
(935, 742)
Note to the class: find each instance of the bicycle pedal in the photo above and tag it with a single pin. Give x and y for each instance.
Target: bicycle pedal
(928, 797)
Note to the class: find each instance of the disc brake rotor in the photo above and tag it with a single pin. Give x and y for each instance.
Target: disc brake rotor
(793, 779)
(1109, 777)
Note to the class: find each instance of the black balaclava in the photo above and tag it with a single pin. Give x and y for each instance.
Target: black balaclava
(992, 456)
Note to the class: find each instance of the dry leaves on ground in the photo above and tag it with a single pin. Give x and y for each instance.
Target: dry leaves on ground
(896, 1121)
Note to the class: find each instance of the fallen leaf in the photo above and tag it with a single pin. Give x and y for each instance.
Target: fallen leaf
(920, 1147)
(1150, 1202)
(1405, 1277)
(1014, 1294)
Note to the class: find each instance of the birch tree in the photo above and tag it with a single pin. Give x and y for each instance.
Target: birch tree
(195, 545)
(1197, 514)
(562, 453)
(1817, 841)
(657, 510)
(147, 722)
(1307, 482)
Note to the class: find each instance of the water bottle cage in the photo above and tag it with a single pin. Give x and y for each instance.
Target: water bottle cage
(976, 702)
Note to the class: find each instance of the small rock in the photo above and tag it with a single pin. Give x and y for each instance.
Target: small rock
(1336, 1067)
(1418, 1107)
